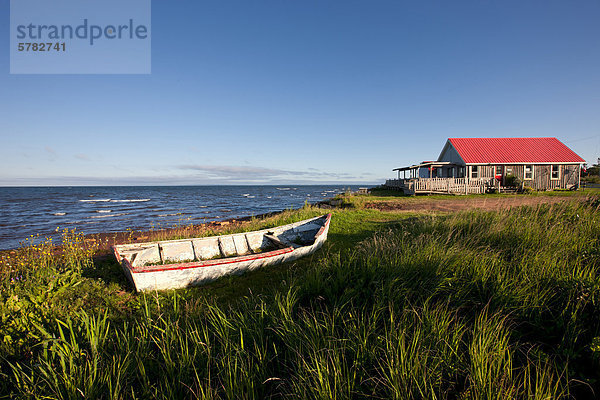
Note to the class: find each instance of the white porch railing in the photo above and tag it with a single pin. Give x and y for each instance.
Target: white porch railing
(442, 185)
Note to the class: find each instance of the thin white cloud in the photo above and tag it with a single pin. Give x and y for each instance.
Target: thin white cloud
(201, 175)
(82, 157)
(250, 173)
(170, 181)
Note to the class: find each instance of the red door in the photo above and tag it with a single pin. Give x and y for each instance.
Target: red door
(500, 173)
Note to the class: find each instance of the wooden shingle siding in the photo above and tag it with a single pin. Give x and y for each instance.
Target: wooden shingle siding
(569, 176)
(515, 170)
(542, 177)
(486, 171)
(483, 171)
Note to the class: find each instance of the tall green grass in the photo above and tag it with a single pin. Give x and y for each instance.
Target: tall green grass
(475, 305)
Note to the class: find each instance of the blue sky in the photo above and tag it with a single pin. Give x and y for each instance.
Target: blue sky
(307, 91)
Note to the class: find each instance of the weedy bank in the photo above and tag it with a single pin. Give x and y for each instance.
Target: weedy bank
(472, 305)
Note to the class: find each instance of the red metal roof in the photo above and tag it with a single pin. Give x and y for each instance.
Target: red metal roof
(514, 150)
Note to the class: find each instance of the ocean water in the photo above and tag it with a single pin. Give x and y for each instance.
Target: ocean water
(44, 210)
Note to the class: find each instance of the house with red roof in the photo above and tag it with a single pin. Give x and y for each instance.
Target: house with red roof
(477, 165)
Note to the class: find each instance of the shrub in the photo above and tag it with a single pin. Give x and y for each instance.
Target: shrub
(512, 180)
(527, 189)
(591, 179)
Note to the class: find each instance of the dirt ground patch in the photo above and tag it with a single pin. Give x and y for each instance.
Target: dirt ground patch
(458, 204)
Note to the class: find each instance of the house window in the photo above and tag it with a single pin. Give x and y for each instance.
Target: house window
(509, 170)
(555, 172)
(528, 172)
(474, 171)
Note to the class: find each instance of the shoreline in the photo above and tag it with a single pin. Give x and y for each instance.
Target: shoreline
(105, 240)
(43, 213)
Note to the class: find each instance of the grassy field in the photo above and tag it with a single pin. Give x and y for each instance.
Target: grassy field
(469, 305)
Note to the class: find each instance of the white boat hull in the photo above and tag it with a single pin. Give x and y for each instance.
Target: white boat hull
(185, 274)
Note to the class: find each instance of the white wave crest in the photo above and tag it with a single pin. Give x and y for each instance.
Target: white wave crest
(95, 200)
(108, 215)
(129, 201)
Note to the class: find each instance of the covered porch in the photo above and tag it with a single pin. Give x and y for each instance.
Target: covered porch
(439, 177)
(426, 169)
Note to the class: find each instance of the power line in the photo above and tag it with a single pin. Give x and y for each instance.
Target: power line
(582, 139)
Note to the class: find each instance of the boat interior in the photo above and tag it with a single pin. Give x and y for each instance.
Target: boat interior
(208, 248)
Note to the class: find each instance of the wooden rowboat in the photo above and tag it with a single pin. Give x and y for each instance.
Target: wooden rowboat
(174, 264)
